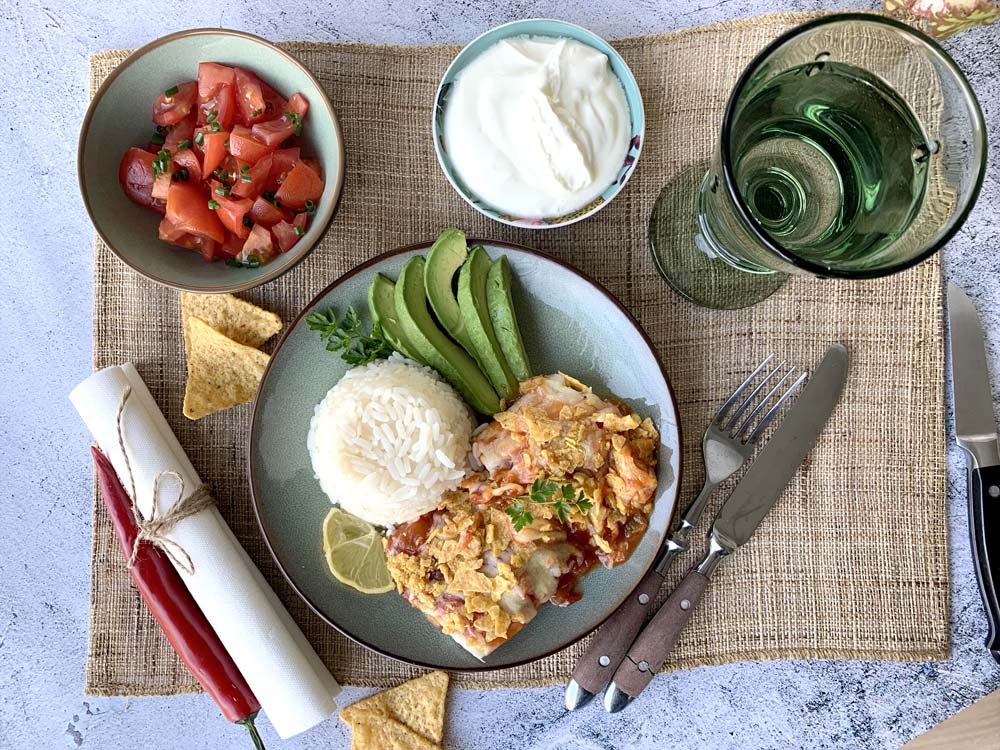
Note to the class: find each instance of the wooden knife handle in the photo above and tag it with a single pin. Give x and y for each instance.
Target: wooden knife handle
(659, 637)
(610, 644)
(984, 527)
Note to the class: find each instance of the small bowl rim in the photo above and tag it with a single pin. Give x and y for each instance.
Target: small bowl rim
(326, 217)
(640, 131)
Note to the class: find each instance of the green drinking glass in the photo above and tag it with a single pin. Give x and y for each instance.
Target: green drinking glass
(852, 147)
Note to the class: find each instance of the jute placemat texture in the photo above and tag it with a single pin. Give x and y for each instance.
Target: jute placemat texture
(851, 563)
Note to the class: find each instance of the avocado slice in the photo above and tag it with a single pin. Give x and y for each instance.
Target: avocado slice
(501, 309)
(382, 306)
(445, 257)
(433, 346)
(472, 302)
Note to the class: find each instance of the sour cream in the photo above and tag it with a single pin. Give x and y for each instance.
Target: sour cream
(537, 127)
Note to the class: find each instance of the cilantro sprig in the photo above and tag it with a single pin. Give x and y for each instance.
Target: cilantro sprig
(562, 498)
(346, 336)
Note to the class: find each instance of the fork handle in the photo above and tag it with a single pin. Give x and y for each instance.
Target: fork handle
(607, 649)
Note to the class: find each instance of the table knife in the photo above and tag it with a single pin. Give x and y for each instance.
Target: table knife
(741, 513)
(976, 432)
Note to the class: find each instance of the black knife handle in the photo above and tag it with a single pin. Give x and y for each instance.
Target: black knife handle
(984, 526)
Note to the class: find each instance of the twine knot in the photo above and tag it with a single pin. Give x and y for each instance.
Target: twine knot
(156, 528)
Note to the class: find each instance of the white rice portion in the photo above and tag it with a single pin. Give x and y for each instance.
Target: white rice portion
(389, 440)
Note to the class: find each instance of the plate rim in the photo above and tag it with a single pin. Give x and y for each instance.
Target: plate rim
(360, 268)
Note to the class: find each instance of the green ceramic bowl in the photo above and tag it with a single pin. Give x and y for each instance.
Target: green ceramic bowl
(120, 116)
(581, 330)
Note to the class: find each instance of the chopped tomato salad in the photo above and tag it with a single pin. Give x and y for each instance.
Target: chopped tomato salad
(220, 171)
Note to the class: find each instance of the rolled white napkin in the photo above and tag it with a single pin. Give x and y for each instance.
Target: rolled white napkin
(293, 686)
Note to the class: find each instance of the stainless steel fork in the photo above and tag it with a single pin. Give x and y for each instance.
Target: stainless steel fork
(728, 442)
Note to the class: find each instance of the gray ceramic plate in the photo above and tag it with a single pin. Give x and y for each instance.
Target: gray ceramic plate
(569, 323)
(120, 116)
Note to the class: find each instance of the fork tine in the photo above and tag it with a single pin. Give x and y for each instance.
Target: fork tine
(769, 417)
(717, 419)
(751, 398)
(745, 424)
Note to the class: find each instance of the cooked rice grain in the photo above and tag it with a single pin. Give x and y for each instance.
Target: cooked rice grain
(389, 440)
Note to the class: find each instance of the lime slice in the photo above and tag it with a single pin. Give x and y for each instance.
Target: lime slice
(354, 552)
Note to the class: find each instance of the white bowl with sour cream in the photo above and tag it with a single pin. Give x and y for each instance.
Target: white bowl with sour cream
(538, 123)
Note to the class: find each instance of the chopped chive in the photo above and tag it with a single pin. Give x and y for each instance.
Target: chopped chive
(296, 121)
(183, 145)
(245, 168)
(247, 222)
(310, 207)
(253, 261)
(212, 115)
(257, 113)
(157, 139)
(226, 143)
(300, 231)
(172, 91)
(199, 138)
(213, 204)
(223, 191)
(246, 177)
(181, 175)
(216, 127)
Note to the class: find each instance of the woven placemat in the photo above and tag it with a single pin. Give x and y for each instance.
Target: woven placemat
(852, 563)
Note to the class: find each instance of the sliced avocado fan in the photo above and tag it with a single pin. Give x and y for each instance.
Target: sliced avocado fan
(433, 346)
(501, 312)
(382, 306)
(475, 312)
(445, 257)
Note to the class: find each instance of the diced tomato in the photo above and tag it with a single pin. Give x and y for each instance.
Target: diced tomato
(187, 208)
(259, 244)
(188, 159)
(285, 234)
(275, 104)
(274, 132)
(313, 163)
(231, 212)
(282, 161)
(161, 185)
(171, 109)
(258, 176)
(230, 247)
(301, 184)
(182, 131)
(135, 173)
(214, 146)
(245, 147)
(175, 235)
(223, 104)
(213, 76)
(266, 214)
(299, 105)
(249, 97)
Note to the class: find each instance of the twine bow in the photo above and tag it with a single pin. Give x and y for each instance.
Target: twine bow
(155, 528)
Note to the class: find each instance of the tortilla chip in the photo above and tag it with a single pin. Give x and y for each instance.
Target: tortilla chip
(221, 372)
(418, 704)
(385, 733)
(231, 316)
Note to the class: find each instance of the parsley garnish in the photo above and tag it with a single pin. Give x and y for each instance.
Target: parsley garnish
(562, 498)
(346, 337)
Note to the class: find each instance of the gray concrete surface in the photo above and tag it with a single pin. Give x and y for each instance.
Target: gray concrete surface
(45, 307)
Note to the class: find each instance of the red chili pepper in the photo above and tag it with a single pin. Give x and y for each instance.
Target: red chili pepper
(176, 611)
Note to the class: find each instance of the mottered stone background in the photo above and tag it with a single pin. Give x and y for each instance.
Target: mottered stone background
(45, 480)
